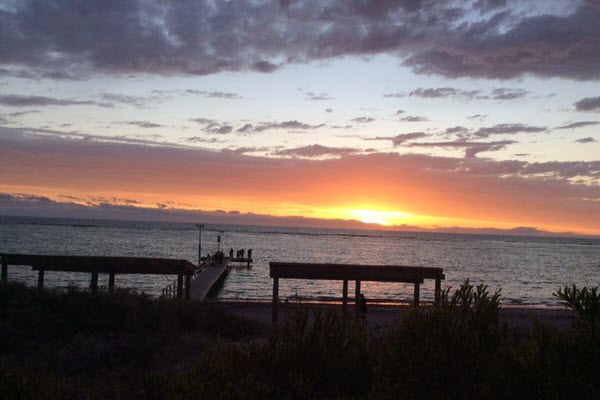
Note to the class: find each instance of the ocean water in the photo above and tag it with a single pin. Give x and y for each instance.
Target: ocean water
(527, 269)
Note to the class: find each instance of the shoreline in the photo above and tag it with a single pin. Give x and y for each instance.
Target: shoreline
(518, 319)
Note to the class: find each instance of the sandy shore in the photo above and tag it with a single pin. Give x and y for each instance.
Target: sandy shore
(518, 319)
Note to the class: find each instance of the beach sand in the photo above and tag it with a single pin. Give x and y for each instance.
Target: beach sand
(518, 319)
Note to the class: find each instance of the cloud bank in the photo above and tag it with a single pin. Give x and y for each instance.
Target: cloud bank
(71, 39)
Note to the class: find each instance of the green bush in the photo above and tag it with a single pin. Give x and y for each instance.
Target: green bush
(585, 303)
(132, 347)
(449, 351)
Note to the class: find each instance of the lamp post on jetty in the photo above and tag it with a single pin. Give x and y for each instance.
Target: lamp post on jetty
(200, 226)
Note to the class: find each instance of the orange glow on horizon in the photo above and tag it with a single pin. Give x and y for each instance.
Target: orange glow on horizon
(372, 215)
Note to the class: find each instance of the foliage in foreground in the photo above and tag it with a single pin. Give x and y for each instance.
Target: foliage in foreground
(457, 350)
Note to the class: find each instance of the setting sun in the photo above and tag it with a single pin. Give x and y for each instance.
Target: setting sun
(379, 217)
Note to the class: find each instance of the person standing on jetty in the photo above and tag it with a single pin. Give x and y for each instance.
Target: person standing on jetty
(231, 252)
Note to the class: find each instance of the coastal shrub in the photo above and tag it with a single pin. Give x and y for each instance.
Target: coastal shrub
(449, 351)
(133, 347)
(556, 364)
(315, 353)
(585, 303)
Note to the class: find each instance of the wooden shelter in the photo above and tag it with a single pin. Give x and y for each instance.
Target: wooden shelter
(100, 264)
(354, 272)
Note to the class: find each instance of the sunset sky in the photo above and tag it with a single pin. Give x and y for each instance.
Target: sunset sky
(414, 114)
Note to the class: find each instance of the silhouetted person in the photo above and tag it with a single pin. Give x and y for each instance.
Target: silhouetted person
(362, 306)
(231, 253)
(242, 251)
(249, 253)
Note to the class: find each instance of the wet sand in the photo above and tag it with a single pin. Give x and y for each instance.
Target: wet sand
(518, 319)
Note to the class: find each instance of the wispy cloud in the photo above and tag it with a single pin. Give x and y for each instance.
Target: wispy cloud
(13, 100)
(141, 124)
(579, 124)
(401, 138)
(508, 129)
(317, 151)
(462, 94)
(414, 118)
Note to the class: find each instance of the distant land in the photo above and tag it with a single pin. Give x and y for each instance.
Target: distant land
(39, 206)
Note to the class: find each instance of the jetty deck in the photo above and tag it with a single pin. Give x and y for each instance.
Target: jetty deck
(206, 278)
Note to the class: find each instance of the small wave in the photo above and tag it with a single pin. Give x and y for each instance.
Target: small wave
(58, 224)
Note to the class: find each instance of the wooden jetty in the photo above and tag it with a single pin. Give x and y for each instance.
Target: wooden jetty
(353, 272)
(206, 277)
(96, 265)
(192, 281)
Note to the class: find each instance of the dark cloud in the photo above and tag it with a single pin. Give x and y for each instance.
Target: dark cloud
(214, 94)
(316, 96)
(141, 124)
(477, 116)
(450, 92)
(204, 37)
(400, 112)
(507, 129)
(445, 92)
(136, 101)
(586, 140)
(363, 120)
(328, 110)
(588, 104)
(213, 126)
(507, 94)
(13, 100)
(456, 130)
(471, 148)
(414, 118)
(316, 151)
(246, 128)
(395, 95)
(199, 139)
(401, 138)
(85, 137)
(20, 113)
(579, 124)
(286, 125)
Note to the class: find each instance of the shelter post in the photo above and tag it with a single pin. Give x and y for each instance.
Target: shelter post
(345, 294)
(41, 278)
(94, 283)
(4, 271)
(357, 295)
(438, 290)
(188, 285)
(275, 300)
(180, 285)
(417, 294)
(111, 281)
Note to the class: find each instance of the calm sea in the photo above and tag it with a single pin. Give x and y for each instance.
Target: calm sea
(528, 269)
